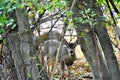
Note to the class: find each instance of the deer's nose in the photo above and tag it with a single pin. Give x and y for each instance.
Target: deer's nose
(71, 51)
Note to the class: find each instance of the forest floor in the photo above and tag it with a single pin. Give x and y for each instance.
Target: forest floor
(80, 69)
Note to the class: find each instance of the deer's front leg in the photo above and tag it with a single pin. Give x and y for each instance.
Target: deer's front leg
(51, 63)
(62, 68)
(68, 68)
(41, 59)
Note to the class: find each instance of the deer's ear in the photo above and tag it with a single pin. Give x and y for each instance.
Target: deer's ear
(65, 42)
(75, 44)
(77, 41)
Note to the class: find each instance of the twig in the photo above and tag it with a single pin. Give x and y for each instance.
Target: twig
(54, 24)
(40, 71)
(115, 45)
(52, 17)
(57, 56)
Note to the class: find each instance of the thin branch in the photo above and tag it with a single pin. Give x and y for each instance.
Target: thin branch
(73, 4)
(40, 71)
(114, 6)
(58, 52)
(115, 45)
(52, 17)
(54, 24)
(111, 12)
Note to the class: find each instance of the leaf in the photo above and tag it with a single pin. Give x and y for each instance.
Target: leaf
(7, 22)
(15, 6)
(55, 0)
(118, 16)
(4, 41)
(68, 13)
(86, 65)
(13, 26)
(75, 26)
(29, 75)
(22, 6)
(1, 13)
(94, 23)
(41, 9)
(70, 22)
(2, 30)
(4, 17)
(86, 30)
(10, 10)
(6, 1)
(88, 10)
(83, 22)
(48, 6)
(31, 16)
(1, 24)
(86, 21)
(93, 14)
(82, 34)
(11, 20)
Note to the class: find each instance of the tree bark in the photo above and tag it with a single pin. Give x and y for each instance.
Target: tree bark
(88, 45)
(23, 52)
(108, 52)
(106, 44)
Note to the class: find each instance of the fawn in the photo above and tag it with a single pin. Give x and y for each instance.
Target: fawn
(66, 56)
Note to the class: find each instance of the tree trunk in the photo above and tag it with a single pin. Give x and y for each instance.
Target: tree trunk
(93, 55)
(23, 51)
(8, 69)
(106, 44)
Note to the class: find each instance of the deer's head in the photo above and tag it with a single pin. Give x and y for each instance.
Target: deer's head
(71, 56)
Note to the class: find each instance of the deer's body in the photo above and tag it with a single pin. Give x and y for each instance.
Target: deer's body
(66, 55)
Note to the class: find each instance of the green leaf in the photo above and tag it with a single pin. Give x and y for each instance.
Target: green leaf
(68, 13)
(55, 0)
(4, 17)
(1, 13)
(7, 22)
(1, 24)
(6, 1)
(48, 6)
(29, 75)
(118, 16)
(13, 26)
(2, 30)
(22, 6)
(41, 9)
(10, 10)
(83, 22)
(70, 22)
(82, 34)
(93, 14)
(94, 23)
(80, 20)
(75, 26)
(88, 10)
(4, 41)
(11, 20)
(87, 21)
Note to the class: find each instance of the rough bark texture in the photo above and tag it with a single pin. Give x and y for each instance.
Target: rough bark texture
(108, 53)
(106, 44)
(96, 61)
(8, 70)
(22, 53)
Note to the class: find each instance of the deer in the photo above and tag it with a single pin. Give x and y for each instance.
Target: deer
(66, 55)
